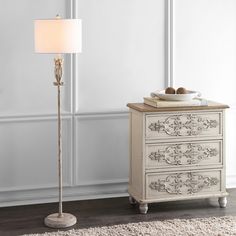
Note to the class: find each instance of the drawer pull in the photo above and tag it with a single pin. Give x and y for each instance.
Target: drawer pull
(183, 154)
(183, 183)
(183, 125)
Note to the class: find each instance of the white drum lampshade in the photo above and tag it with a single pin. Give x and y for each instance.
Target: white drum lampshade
(58, 36)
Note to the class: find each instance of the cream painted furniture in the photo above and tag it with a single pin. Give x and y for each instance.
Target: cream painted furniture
(176, 153)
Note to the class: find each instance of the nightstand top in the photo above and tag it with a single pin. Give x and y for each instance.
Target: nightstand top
(146, 108)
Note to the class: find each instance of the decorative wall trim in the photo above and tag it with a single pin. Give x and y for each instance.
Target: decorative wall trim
(93, 116)
(31, 187)
(33, 117)
(74, 97)
(80, 115)
(102, 114)
(74, 59)
(68, 161)
(169, 78)
(65, 185)
(102, 182)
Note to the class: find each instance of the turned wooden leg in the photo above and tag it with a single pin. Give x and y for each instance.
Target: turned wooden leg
(143, 208)
(222, 202)
(132, 201)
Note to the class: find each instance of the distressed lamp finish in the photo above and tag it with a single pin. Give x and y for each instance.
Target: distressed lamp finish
(176, 153)
(58, 36)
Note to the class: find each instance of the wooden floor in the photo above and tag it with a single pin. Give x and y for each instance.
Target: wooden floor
(29, 219)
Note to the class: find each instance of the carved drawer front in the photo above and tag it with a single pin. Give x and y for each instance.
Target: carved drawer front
(169, 155)
(182, 125)
(177, 184)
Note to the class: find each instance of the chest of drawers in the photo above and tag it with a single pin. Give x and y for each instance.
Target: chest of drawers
(176, 154)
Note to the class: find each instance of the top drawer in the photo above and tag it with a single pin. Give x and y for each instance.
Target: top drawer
(181, 125)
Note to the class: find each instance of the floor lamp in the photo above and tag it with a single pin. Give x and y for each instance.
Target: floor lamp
(58, 36)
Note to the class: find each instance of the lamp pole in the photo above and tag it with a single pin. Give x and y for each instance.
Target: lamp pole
(58, 75)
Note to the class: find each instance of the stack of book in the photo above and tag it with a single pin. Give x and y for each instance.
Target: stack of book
(157, 102)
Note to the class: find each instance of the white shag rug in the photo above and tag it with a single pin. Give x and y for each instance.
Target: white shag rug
(213, 226)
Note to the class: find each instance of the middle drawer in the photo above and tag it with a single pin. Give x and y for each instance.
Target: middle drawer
(194, 153)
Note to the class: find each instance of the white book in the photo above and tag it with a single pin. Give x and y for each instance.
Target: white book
(157, 102)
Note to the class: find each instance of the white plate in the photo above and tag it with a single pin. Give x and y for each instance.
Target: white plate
(176, 97)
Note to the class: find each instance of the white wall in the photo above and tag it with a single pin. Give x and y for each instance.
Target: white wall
(204, 58)
(123, 59)
(124, 45)
(26, 78)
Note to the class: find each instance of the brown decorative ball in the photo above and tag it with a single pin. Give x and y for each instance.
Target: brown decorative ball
(181, 90)
(170, 90)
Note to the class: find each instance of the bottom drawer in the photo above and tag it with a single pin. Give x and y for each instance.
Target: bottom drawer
(183, 183)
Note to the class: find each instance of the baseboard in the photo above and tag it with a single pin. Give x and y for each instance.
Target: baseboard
(27, 197)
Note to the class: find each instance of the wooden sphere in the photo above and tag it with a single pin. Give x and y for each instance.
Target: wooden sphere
(181, 90)
(170, 90)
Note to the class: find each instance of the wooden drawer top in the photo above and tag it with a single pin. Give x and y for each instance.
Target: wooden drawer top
(146, 108)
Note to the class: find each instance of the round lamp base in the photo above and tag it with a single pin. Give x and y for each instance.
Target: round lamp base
(54, 221)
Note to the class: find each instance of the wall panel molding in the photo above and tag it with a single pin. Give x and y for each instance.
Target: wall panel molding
(100, 146)
(102, 182)
(38, 117)
(31, 188)
(29, 155)
(102, 115)
(169, 67)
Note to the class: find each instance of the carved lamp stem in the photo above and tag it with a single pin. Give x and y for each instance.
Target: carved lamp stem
(58, 76)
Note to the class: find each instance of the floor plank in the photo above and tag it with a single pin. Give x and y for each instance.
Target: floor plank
(91, 213)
